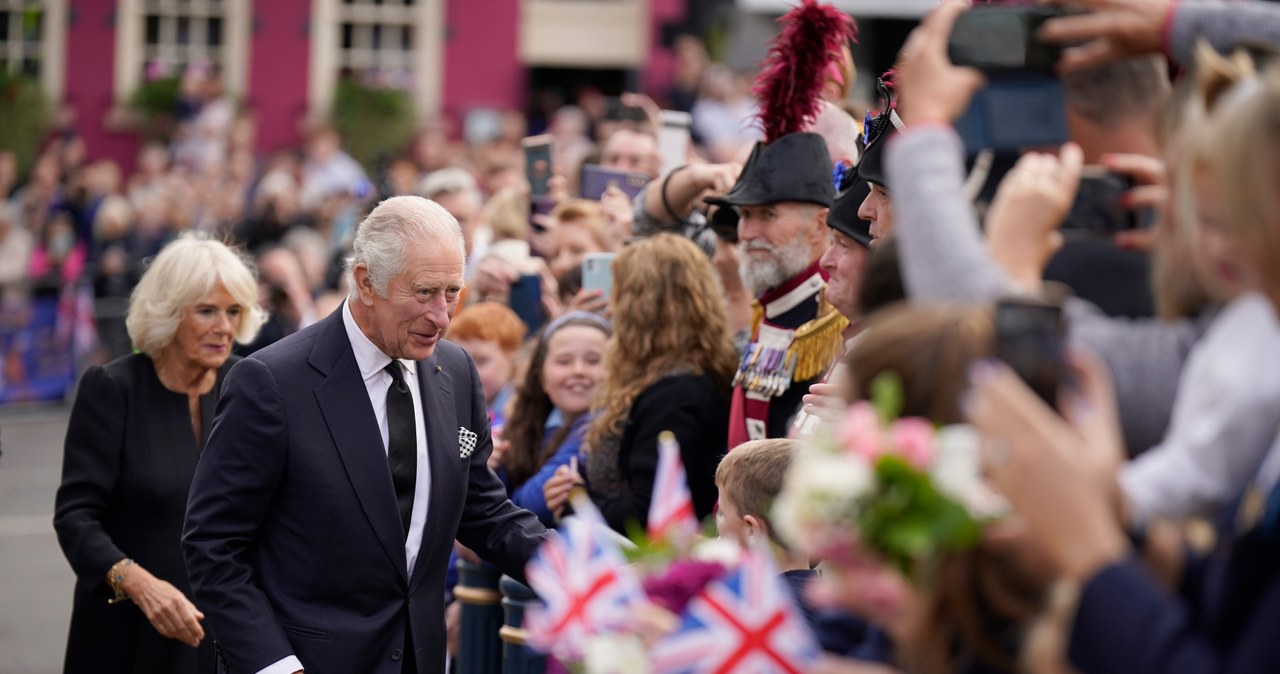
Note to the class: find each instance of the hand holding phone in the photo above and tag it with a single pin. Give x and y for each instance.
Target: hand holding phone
(1030, 337)
(597, 273)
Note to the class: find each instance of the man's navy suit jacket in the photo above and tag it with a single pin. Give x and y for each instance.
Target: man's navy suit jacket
(293, 538)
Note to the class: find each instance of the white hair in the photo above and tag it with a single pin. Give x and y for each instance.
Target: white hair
(184, 271)
(451, 180)
(787, 261)
(383, 235)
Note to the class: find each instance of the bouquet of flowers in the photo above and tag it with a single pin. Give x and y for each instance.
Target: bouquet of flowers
(895, 487)
(671, 602)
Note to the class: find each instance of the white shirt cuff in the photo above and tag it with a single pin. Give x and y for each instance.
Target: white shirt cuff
(288, 665)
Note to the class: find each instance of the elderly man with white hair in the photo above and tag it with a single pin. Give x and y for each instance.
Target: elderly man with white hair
(345, 460)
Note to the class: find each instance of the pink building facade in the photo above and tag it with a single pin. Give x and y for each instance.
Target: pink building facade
(481, 56)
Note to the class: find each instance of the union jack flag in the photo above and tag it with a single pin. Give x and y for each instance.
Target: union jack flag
(743, 623)
(671, 508)
(584, 584)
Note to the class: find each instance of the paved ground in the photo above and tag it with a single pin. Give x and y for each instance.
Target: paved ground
(35, 581)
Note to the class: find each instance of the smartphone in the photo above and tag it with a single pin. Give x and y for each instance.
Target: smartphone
(526, 301)
(1099, 207)
(999, 40)
(596, 179)
(674, 139)
(597, 272)
(616, 111)
(1030, 338)
(537, 164)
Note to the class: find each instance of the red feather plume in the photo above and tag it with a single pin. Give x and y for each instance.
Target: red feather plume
(789, 86)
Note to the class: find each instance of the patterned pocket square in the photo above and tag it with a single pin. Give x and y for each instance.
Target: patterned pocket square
(466, 442)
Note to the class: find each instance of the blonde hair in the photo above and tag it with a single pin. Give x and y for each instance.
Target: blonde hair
(184, 271)
(750, 477)
(1240, 146)
(507, 214)
(668, 315)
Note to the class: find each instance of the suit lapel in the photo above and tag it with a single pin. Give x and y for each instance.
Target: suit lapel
(440, 415)
(349, 415)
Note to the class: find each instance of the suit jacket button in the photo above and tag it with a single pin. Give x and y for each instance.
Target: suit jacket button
(396, 654)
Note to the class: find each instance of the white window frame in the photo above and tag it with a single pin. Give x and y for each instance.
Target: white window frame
(53, 41)
(427, 64)
(130, 49)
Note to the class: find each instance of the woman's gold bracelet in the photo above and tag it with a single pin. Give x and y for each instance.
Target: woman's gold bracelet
(116, 576)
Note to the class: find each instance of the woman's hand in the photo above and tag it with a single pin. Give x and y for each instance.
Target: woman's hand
(556, 490)
(619, 215)
(931, 89)
(1043, 466)
(1112, 31)
(1030, 205)
(825, 401)
(493, 279)
(170, 613)
(589, 300)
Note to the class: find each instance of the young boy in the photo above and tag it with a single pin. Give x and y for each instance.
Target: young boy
(749, 478)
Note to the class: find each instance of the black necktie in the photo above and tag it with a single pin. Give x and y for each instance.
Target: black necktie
(402, 442)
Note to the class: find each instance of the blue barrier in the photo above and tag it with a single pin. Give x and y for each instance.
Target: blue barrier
(517, 658)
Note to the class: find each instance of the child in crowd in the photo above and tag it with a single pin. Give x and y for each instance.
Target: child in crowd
(748, 479)
(492, 334)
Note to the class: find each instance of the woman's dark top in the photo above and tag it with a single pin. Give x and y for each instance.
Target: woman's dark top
(129, 457)
(621, 475)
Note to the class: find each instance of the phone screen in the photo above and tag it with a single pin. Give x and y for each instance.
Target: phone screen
(537, 157)
(1029, 339)
(597, 179)
(597, 272)
(526, 301)
(674, 139)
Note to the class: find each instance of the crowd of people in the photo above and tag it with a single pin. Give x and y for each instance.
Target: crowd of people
(225, 496)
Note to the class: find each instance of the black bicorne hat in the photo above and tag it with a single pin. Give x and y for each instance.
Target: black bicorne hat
(843, 216)
(795, 167)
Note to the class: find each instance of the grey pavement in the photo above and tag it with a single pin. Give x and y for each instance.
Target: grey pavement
(35, 580)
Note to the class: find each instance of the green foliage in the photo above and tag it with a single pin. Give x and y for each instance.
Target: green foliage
(374, 122)
(156, 102)
(909, 521)
(887, 396)
(26, 112)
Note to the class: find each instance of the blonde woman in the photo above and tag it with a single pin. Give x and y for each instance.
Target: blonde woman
(136, 432)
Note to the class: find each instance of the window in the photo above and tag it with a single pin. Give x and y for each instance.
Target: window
(32, 34)
(396, 43)
(162, 37)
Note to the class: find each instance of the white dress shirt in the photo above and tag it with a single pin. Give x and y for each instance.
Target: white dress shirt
(377, 380)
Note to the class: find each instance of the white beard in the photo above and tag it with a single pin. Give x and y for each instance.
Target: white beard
(787, 260)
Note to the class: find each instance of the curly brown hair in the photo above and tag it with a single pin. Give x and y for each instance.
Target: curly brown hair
(669, 315)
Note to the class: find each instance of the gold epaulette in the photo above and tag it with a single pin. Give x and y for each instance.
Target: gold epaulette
(818, 342)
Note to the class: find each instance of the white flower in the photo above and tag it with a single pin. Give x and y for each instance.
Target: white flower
(615, 654)
(821, 488)
(719, 550)
(957, 471)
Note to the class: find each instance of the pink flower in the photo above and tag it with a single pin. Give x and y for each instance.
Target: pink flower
(912, 438)
(859, 431)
